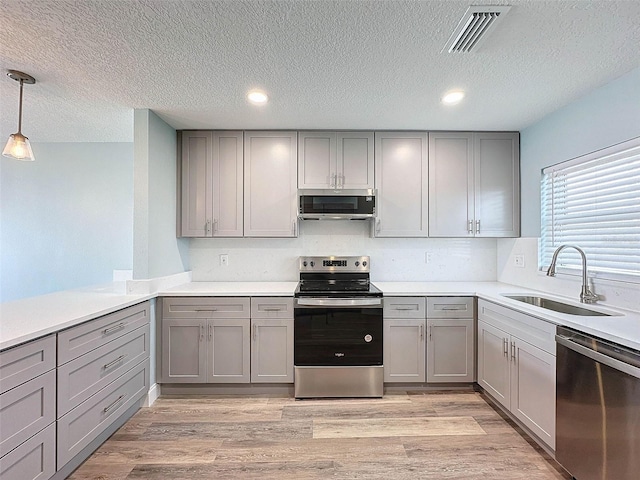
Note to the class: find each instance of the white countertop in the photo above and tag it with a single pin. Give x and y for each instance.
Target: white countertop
(231, 289)
(31, 318)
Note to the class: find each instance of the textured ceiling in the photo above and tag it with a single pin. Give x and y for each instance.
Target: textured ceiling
(325, 64)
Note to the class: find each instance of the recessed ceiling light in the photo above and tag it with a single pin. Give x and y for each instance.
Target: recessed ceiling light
(257, 97)
(453, 97)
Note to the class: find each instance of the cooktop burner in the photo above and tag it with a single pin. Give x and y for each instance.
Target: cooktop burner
(335, 277)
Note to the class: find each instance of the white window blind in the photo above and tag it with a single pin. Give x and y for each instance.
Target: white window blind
(593, 202)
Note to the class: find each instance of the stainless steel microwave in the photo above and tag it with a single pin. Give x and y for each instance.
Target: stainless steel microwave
(336, 204)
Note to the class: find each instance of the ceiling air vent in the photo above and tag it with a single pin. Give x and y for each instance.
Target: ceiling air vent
(475, 25)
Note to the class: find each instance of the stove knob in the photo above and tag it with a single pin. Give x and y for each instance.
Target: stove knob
(313, 264)
(357, 264)
(364, 264)
(368, 338)
(304, 264)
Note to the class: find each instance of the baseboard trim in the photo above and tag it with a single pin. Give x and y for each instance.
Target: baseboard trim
(152, 395)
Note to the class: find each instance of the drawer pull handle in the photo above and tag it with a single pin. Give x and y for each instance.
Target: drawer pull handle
(513, 351)
(107, 366)
(505, 343)
(406, 308)
(272, 309)
(113, 405)
(454, 307)
(210, 309)
(119, 326)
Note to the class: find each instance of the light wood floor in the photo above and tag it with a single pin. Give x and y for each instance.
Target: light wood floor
(405, 435)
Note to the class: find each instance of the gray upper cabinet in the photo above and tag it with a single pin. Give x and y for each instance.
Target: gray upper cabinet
(474, 181)
(335, 160)
(212, 184)
(401, 178)
(270, 184)
(497, 184)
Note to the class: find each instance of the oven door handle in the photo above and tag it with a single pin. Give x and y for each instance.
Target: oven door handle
(338, 302)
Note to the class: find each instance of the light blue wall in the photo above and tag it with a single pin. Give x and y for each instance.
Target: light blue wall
(66, 219)
(604, 117)
(157, 250)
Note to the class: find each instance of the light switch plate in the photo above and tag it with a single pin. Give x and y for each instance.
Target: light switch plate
(224, 260)
(518, 261)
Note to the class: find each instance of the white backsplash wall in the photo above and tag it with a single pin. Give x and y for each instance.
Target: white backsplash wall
(392, 259)
(615, 294)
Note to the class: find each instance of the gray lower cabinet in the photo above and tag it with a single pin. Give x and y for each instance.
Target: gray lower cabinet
(404, 339)
(517, 366)
(35, 459)
(451, 344)
(28, 410)
(84, 423)
(103, 372)
(205, 340)
(272, 340)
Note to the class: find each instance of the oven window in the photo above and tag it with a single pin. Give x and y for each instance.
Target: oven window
(338, 336)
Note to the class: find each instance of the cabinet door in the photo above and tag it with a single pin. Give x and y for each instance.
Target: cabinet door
(493, 362)
(450, 350)
(404, 350)
(272, 351)
(401, 181)
(317, 160)
(227, 172)
(184, 349)
(228, 355)
(270, 184)
(355, 160)
(533, 389)
(451, 184)
(197, 206)
(497, 184)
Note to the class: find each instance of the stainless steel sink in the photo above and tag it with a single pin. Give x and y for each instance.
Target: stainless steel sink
(556, 306)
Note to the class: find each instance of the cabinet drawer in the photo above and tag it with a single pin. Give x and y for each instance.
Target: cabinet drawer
(450, 307)
(404, 307)
(271, 307)
(84, 423)
(530, 329)
(206, 307)
(35, 459)
(85, 375)
(88, 336)
(20, 364)
(27, 409)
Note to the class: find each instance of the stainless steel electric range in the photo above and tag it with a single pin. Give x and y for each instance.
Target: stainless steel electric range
(337, 329)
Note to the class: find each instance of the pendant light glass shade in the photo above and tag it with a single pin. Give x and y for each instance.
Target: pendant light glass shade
(18, 145)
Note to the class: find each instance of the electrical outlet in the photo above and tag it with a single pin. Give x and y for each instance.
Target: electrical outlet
(427, 257)
(518, 261)
(224, 260)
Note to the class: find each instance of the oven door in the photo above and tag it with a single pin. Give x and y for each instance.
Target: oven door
(338, 332)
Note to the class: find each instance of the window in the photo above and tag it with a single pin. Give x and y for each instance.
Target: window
(593, 202)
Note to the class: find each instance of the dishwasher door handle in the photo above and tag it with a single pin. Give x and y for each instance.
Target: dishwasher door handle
(598, 357)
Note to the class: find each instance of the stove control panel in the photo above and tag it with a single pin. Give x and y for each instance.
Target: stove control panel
(334, 264)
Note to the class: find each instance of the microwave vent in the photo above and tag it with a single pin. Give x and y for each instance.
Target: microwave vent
(474, 27)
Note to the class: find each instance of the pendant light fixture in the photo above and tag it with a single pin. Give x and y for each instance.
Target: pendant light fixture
(18, 145)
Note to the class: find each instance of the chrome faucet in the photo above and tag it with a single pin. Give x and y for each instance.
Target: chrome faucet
(586, 295)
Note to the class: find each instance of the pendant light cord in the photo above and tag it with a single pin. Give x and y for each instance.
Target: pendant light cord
(20, 108)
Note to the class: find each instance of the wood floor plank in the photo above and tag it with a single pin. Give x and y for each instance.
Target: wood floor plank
(187, 451)
(356, 411)
(275, 431)
(396, 427)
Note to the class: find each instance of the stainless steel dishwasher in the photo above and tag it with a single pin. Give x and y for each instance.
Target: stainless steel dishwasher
(597, 407)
